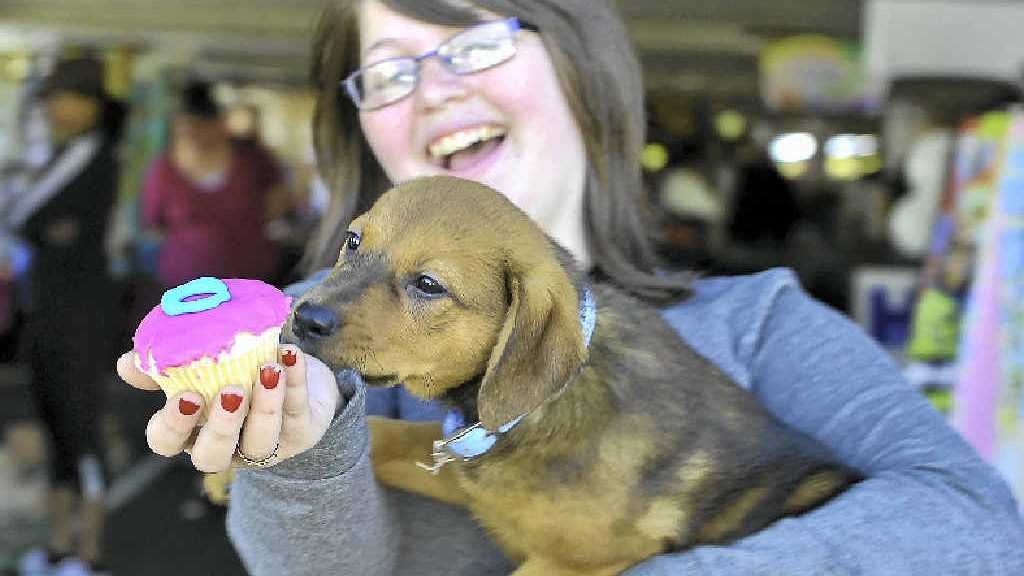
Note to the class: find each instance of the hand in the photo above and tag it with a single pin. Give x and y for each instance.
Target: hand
(290, 412)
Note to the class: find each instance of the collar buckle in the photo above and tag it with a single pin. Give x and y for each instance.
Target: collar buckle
(441, 457)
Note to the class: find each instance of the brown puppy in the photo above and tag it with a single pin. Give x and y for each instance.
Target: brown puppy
(627, 447)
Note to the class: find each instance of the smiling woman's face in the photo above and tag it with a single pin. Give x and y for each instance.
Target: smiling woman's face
(528, 144)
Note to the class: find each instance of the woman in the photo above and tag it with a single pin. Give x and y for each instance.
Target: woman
(210, 197)
(548, 110)
(63, 213)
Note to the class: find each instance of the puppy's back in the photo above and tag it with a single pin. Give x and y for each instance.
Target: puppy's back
(716, 451)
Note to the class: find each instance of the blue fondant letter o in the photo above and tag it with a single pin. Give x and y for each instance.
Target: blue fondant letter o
(211, 292)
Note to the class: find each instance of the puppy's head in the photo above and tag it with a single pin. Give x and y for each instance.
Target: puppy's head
(441, 282)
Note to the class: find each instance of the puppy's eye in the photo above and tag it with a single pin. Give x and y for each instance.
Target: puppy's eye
(352, 240)
(428, 286)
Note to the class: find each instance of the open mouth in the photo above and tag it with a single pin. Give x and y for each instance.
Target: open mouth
(466, 149)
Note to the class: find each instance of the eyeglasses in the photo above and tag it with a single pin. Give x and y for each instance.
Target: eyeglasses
(475, 49)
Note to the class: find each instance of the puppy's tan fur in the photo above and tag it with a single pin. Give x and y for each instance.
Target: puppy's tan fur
(632, 447)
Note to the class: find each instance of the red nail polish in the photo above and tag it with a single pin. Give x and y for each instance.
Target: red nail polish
(187, 407)
(269, 376)
(230, 402)
(289, 358)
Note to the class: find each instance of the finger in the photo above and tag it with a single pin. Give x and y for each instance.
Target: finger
(170, 429)
(131, 374)
(215, 445)
(323, 389)
(260, 434)
(296, 396)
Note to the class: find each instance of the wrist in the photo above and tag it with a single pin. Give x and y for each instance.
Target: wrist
(341, 446)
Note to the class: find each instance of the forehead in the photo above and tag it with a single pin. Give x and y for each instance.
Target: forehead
(380, 25)
(433, 246)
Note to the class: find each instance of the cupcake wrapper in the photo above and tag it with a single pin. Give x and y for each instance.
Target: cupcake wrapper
(208, 375)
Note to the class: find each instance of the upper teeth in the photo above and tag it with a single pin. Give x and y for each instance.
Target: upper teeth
(458, 141)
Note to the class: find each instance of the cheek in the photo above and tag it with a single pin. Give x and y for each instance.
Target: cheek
(545, 135)
(387, 132)
(456, 351)
(535, 94)
(543, 121)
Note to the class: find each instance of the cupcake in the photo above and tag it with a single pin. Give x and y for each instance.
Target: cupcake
(210, 333)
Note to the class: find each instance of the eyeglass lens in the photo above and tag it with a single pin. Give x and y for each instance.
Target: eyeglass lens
(473, 50)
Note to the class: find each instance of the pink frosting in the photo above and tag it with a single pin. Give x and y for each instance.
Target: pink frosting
(178, 340)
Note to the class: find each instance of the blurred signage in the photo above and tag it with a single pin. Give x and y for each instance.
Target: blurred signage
(913, 38)
(813, 72)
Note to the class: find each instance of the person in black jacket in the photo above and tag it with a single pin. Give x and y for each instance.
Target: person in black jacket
(63, 214)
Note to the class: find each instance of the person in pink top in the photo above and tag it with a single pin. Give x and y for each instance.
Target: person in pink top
(211, 197)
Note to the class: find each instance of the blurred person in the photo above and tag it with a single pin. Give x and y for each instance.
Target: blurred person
(765, 206)
(210, 198)
(692, 217)
(62, 212)
(912, 217)
(545, 84)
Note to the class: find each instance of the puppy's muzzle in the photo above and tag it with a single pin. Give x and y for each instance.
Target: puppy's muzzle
(312, 321)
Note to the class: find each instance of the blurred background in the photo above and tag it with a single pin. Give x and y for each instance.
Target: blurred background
(874, 146)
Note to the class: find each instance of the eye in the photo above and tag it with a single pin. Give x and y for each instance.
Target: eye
(428, 286)
(352, 240)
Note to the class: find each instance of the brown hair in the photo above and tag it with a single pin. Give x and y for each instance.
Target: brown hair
(600, 77)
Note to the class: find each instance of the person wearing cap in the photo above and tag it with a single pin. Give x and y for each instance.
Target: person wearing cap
(210, 197)
(62, 211)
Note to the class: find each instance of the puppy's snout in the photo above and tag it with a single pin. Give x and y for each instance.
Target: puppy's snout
(312, 321)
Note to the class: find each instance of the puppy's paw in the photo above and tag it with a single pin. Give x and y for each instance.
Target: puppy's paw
(217, 486)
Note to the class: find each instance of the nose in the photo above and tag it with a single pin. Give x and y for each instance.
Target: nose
(313, 321)
(437, 84)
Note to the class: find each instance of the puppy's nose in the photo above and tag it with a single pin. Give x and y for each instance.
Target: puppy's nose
(312, 321)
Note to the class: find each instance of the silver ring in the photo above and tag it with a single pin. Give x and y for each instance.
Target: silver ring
(261, 463)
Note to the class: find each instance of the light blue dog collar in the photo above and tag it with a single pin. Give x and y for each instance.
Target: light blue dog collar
(462, 443)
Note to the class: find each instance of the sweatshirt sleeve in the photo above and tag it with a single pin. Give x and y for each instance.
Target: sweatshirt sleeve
(322, 512)
(319, 512)
(929, 504)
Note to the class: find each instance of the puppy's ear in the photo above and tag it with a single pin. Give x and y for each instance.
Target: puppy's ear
(539, 349)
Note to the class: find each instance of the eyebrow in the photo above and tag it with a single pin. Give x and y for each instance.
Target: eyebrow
(382, 43)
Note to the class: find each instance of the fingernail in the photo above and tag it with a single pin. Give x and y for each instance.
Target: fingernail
(230, 401)
(289, 358)
(187, 407)
(269, 376)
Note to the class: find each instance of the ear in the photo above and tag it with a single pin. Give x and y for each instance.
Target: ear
(539, 349)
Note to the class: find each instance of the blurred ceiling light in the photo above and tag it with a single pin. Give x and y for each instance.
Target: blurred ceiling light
(841, 146)
(851, 156)
(793, 147)
(867, 145)
(730, 125)
(851, 145)
(654, 157)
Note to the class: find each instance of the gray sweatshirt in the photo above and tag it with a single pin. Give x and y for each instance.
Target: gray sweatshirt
(930, 506)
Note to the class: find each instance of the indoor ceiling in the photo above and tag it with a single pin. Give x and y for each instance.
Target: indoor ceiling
(691, 45)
